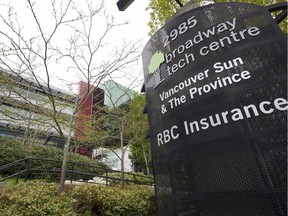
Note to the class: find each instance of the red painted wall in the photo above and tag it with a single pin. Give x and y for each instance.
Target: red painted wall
(88, 97)
(85, 112)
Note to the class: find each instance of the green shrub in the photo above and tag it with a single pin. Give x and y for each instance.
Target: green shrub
(35, 199)
(122, 202)
(135, 177)
(11, 150)
(81, 200)
(86, 199)
(85, 160)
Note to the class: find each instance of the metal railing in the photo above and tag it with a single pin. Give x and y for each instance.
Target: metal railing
(30, 168)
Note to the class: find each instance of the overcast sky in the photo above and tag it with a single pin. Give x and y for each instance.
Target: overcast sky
(136, 15)
(136, 30)
(138, 19)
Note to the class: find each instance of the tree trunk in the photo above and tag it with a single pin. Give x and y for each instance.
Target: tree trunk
(122, 161)
(146, 161)
(65, 158)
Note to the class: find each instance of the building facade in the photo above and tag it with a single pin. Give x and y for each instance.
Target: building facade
(109, 95)
(26, 112)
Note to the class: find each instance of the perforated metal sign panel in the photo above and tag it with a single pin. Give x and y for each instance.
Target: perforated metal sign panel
(216, 88)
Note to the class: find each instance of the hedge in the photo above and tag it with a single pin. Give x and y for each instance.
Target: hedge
(11, 150)
(42, 198)
(132, 176)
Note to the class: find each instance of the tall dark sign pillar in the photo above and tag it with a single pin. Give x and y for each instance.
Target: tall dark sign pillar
(216, 88)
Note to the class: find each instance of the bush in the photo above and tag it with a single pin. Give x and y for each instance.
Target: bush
(42, 199)
(11, 150)
(133, 177)
(35, 199)
(122, 202)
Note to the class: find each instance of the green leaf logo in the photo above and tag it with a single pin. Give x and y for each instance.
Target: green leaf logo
(155, 62)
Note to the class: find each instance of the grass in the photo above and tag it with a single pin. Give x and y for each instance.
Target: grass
(11, 182)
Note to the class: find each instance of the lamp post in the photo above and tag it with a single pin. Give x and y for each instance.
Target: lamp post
(123, 4)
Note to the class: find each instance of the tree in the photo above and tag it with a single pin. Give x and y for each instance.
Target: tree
(162, 10)
(23, 108)
(35, 53)
(137, 130)
(113, 127)
(109, 130)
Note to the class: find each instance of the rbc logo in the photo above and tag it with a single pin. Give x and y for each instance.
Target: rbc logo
(167, 135)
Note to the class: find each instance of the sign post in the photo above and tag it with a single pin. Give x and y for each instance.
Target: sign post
(216, 88)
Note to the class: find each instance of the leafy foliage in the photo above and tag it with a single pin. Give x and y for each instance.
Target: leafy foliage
(162, 10)
(35, 199)
(11, 150)
(143, 179)
(117, 201)
(42, 199)
(137, 130)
